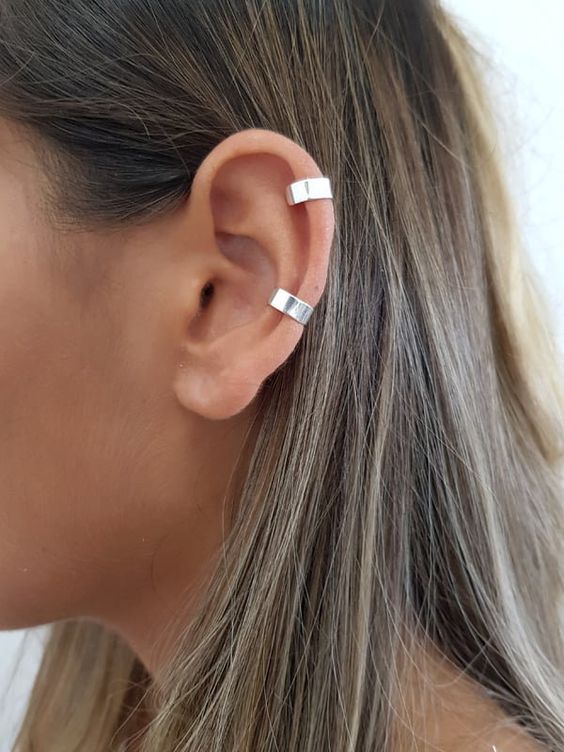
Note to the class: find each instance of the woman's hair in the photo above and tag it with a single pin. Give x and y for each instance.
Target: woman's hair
(401, 486)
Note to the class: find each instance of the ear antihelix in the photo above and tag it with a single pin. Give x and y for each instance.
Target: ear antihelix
(305, 189)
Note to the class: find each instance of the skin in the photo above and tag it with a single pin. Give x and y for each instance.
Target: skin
(451, 713)
(126, 401)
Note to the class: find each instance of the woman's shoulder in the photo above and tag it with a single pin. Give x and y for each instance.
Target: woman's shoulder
(449, 712)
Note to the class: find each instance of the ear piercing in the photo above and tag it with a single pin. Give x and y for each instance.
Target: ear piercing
(306, 189)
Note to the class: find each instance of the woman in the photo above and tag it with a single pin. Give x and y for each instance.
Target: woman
(253, 531)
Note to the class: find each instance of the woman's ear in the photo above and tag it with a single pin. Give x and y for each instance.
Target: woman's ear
(242, 239)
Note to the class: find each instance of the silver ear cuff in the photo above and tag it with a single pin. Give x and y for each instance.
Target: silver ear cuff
(306, 189)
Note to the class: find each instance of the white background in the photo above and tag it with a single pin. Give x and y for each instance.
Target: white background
(527, 44)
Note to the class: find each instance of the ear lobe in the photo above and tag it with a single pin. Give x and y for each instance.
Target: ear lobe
(226, 375)
(251, 241)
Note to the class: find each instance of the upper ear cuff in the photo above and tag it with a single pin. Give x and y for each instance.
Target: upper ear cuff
(307, 189)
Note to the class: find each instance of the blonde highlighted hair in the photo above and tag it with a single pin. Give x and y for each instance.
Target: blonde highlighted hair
(402, 478)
